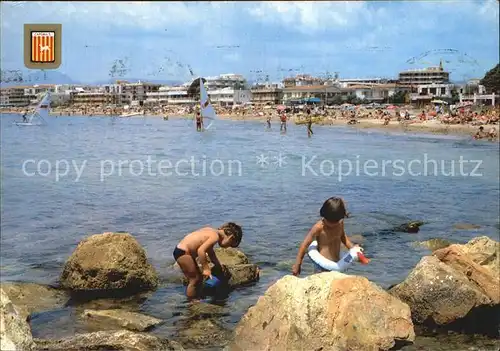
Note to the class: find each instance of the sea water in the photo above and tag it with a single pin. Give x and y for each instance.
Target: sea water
(161, 179)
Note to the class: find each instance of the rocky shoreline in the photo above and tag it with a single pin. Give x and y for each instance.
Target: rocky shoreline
(454, 290)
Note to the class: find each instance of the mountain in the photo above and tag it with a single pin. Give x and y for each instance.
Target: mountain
(133, 80)
(35, 77)
(10, 78)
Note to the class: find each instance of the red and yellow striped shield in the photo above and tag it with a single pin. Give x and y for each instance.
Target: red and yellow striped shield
(42, 47)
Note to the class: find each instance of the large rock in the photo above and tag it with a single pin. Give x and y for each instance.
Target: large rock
(15, 333)
(450, 291)
(485, 252)
(481, 277)
(124, 319)
(30, 298)
(108, 264)
(327, 311)
(122, 340)
(231, 256)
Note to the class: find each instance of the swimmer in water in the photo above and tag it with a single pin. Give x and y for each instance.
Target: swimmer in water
(309, 127)
(269, 122)
(328, 232)
(200, 243)
(283, 122)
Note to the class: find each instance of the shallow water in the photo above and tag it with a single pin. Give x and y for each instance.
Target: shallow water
(44, 217)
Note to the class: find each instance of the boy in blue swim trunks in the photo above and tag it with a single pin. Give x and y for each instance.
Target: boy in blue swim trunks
(200, 243)
(328, 232)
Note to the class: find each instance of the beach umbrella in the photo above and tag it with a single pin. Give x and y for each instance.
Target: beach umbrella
(391, 107)
(440, 102)
(281, 107)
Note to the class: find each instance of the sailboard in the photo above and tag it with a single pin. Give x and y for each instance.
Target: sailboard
(207, 110)
(35, 118)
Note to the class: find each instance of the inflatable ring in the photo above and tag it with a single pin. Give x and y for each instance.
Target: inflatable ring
(354, 254)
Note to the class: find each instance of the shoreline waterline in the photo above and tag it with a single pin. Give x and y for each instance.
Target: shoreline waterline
(427, 127)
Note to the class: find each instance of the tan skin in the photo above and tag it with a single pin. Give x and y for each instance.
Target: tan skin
(329, 236)
(198, 244)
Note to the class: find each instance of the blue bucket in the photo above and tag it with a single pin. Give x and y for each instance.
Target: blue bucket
(212, 282)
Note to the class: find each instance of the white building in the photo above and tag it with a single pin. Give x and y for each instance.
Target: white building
(229, 96)
(427, 92)
(158, 97)
(137, 91)
(235, 81)
(429, 75)
(374, 92)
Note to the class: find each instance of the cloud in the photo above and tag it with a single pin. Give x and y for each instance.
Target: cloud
(310, 16)
(354, 38)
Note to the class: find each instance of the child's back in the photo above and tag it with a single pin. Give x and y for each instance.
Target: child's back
(193, 241)
(200, 243)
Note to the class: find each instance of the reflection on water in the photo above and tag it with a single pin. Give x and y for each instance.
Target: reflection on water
(44, 217)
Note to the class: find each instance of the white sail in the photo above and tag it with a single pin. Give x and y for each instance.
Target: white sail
(41, 109)
(207, 110)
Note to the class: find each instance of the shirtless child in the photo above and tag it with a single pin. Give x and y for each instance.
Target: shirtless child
(328, 231)
(200, 243)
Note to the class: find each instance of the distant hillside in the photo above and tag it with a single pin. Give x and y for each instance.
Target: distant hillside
(132, 80)
(37, 77)
(55, 77)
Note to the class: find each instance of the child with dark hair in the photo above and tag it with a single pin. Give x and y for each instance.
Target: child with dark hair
(200, 243)
(328, 232)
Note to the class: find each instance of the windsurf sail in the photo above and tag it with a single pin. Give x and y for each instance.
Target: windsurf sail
(207, 110)
(35, 118)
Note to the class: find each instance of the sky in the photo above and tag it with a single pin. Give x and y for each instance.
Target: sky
(161, 40)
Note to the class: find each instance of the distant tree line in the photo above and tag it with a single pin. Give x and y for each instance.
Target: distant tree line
(491, 80)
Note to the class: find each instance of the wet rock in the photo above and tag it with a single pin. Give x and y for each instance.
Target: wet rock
(30, 298)
(466, 226)
(231, 256)
(128, 320)
(15, 333)
(122, 340)
(434, 244)
(441, 296)
(242, 274)
(357, 238)
(202, 333)
(129, 303)
(326, 311)
(109, 264)
(202, 310)
(410, 227)
(283, 266)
